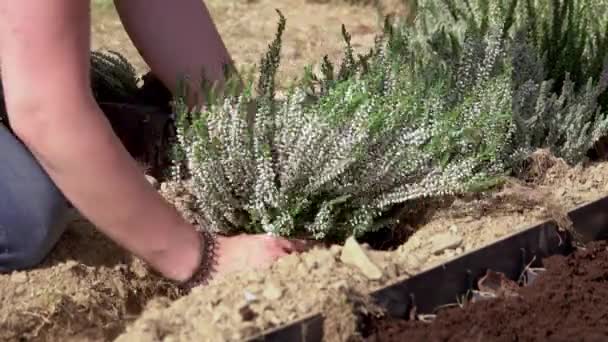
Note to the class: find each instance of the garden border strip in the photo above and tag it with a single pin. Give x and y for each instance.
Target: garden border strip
(509, 255)
(308, 329)
(445, 283)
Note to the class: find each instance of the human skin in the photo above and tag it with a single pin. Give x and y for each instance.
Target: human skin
(45, 61)
(176, 44)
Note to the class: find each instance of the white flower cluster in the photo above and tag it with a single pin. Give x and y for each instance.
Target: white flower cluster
(433, 111)
(334, 167)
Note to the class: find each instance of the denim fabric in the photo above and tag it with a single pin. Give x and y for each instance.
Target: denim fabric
(32, 210)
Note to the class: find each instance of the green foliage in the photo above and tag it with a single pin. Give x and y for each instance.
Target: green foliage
(558, 49)
(444, 105)
(113, 78)
(568, 121)
(339, 152)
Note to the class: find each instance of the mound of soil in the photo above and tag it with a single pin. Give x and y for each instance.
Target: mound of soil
(567, 302)
(88, 289)
(91, 290)
(320, 280)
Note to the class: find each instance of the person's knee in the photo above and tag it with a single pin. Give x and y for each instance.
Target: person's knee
(26, 239)
(32, 208)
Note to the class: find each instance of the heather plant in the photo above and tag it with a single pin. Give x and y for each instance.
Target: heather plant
(568, 121)
(339, 152)
(113, 78)
(570, 35)
(558, 49)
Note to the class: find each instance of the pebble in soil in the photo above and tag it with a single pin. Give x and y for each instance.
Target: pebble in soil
(567, 302)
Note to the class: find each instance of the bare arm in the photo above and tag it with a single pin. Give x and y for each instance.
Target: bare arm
(176, 38)
(44, 46)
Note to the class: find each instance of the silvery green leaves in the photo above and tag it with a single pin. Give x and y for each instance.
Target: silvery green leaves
(557, 51)
(434, 109)
(568, 123)
(334, 166)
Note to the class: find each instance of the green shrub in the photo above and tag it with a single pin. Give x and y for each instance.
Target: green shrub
(339, 152)
(559, 50)
(113, 78)
(441, 106)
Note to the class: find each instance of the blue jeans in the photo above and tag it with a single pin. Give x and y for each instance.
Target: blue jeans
(33, 211)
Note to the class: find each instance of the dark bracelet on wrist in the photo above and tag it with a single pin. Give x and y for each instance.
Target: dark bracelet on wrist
(206, 268)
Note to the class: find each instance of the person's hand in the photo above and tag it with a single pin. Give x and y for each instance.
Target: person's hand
(243, 252)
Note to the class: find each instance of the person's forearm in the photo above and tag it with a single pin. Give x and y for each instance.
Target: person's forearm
(176, 38)
(48, 98)
(87, 162)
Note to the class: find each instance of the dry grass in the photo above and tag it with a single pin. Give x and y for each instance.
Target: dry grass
(247, 26)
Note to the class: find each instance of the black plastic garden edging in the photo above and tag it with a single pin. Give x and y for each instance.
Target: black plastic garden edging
(309, 329)
(443, 284)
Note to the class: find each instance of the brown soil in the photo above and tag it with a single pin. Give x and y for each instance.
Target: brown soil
(318, 281)
(90, 289)
(567, 302)
(86, 290)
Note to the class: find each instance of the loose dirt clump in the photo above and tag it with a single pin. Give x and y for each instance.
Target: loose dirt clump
(323, 280)
(88, 289)
(567, 302)
(245, 304)
(477, 220)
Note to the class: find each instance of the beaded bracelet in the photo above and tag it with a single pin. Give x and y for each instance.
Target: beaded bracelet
(205, 270)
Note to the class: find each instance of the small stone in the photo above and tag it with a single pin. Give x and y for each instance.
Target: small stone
(454, 229)
(443, 242)
(19, 277)
(249, 296)
(153, 182)
(354, 255)
(272, 292)
(19, 290)
(139, 269)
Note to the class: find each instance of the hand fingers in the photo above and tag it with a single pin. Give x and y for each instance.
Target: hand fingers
(283, 244)
(303, 245)
(294, 245)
